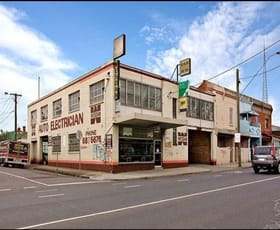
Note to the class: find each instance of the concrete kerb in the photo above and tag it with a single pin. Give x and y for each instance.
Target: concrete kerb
(146, 174)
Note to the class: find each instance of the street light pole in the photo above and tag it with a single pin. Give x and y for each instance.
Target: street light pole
(15, 96)
(238, 116)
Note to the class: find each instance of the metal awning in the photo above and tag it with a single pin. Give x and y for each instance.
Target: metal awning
(251, 112)
(145, 120)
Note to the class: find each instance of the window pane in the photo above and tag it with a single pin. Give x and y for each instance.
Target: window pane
(144, 96)
(132, 150)
(97, 92)
(202, 110)
(44, 113)
(57, 108)
(74, 101)
(158, 99)
(211, 111)
(56, 144)
(130, 93)
(137, 94)
(123, 91)
(152, 97)
(74, 143)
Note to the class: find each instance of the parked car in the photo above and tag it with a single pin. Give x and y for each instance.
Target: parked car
(267, 158)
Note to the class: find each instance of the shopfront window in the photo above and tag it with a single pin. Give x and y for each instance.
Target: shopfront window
(132, 150)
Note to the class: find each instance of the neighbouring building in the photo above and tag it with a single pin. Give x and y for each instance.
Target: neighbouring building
(226, 125)
(276, 135)
(264, 111)
(201, 136)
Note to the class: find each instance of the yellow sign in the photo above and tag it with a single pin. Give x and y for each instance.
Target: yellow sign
(183, 104)
(185, 67)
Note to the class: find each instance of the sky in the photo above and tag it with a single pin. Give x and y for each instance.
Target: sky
(58, 42)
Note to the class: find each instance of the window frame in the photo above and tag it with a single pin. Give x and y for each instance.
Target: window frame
(96, 92)
(57, 108)
(74, 101)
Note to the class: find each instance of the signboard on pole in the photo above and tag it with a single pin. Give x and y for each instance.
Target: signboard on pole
(237, 137)
(184, 88)
(119, 46)
(117, 79)
(183, 104)
(185, 67)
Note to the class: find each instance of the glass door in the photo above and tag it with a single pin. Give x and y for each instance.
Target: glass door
(158, 152)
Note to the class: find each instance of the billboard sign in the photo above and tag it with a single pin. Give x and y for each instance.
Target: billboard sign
(119, 46)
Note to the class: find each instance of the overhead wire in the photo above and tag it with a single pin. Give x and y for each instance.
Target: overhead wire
(241, 63)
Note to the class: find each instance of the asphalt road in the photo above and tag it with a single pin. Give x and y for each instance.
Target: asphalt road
(234, 199)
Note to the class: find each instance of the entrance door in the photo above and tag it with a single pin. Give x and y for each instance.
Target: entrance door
(158, 152)
(45, 150)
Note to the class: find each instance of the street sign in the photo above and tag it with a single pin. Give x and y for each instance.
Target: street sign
(237, 137)
(185, 67)
(184, 88)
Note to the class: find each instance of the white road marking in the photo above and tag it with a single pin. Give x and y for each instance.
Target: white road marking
(237, 172)
(51, 185)
(50, 190)
(148, 204)
(29, 187)
(24, 178)
(5, 189)
(53, 195)
(182, 180)
(133, 186)
(75, 183)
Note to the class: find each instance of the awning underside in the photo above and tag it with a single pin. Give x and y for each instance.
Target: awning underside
(144, 120)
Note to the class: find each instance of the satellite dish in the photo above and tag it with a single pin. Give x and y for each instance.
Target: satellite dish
(79, 134)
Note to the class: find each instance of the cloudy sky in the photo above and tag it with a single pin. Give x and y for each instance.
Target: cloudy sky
(59, 41)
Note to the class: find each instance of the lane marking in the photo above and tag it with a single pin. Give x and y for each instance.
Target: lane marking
(76, 183)
(148, 204)
(52, 185)
(182, 180)
(132, 186)
(120, 183)
(29, 187)
(5, 189)
(24, 178)
(50, 190)
(53, 195)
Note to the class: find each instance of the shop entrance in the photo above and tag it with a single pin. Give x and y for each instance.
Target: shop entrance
(45, 150)
(158, 152)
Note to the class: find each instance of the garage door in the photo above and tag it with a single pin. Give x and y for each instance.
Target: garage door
(199, 147)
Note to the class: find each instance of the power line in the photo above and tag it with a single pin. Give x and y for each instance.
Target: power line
(258, 71)
(246, 60)
(270, 70)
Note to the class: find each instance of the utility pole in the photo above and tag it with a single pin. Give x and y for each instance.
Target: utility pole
(16, 96)
(238, 116)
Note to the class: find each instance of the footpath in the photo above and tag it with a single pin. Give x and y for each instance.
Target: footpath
(141, 174)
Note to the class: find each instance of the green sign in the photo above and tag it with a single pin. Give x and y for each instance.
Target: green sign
(184, 88)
